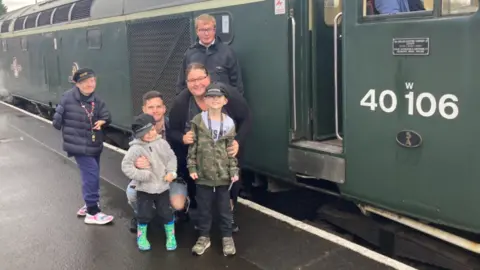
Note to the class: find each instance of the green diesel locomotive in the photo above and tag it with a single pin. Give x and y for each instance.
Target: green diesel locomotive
(375, 108)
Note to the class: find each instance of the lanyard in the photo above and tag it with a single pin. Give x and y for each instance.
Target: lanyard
(90, 117)
(210, 124)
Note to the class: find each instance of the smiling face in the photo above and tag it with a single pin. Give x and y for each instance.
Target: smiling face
(151, 135)
(87, 86)
(215, 102)
(155, 108)
(197, 81)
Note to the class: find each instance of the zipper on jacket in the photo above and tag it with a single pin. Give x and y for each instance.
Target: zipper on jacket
(156, 183)
(214, 143)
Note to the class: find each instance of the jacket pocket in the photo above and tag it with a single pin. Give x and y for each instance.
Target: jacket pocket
(223, 170)
(207, 168)
(222, 74)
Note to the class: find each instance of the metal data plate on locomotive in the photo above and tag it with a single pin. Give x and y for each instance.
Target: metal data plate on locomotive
(411, 46)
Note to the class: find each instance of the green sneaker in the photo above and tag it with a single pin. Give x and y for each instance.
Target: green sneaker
(170, 233)
(142, 240)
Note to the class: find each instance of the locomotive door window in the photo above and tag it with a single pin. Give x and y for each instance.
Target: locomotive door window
(94, 39)
(224, 21)
(24, 43)
(331, 9)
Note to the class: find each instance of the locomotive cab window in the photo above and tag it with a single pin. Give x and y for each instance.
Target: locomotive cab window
(389, 7)
(372, 8)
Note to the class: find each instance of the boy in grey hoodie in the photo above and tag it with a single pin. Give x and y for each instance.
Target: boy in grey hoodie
(152, 183)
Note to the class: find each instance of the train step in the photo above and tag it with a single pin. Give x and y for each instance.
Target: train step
(322, 160)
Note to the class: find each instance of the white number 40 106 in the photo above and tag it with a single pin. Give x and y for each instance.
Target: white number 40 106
(446, 101)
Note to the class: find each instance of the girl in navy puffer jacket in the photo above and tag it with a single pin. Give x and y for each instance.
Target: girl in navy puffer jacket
(80, 116)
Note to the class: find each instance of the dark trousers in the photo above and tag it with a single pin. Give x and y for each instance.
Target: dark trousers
(90, 171)
(205, 197)
(145, 202)
(191, 185)
(191, 188)
(185, 175)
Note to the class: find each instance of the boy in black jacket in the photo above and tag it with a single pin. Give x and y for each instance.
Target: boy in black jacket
(219, 58)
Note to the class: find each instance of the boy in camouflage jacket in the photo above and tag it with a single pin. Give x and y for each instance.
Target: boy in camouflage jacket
(212, 169)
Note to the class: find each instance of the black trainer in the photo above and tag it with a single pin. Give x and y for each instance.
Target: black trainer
(133, 225)
(234, 226)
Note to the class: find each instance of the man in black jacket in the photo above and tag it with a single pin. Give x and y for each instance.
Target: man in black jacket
(186, 106)
(81, 116)
(209, 50)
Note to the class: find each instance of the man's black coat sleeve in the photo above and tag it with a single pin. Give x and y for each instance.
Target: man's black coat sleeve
(181, 81)
(177, 118)
(241, 114)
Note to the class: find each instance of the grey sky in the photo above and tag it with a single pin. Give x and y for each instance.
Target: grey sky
(16, 4)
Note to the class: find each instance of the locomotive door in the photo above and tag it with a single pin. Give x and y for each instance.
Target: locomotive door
(318, 153)
(313, 95)
(51, 65)
(411, 100)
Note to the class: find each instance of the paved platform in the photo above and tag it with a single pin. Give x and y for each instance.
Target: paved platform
(40, 193)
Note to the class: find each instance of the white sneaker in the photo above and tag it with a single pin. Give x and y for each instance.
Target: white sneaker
(98, 219)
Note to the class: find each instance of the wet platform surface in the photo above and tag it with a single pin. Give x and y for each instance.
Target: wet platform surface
(41, 191)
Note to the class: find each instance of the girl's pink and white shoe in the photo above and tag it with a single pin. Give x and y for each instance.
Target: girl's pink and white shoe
(98, 219)
(82, 211)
